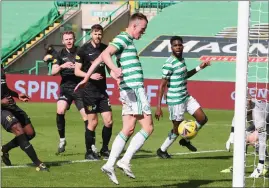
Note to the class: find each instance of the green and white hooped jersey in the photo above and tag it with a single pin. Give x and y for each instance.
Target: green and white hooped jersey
(128, 60)
(175, 72)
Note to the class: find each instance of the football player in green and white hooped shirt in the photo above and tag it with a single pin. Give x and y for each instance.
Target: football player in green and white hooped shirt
(174, 76)
(135, 104)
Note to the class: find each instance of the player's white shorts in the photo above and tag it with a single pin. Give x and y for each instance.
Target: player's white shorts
(177, 111)
(259, 117)
(134, 102)
(259, 114)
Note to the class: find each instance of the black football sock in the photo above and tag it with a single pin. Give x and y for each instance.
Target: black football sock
(106, 135)
(10, 145)
(26, 146)
(89, 139)
(61, 125)
(86, 124)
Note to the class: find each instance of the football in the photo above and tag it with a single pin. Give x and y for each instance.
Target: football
(187, 129)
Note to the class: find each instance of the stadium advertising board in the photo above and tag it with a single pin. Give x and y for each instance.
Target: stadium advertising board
(213, 95)
(207, 48)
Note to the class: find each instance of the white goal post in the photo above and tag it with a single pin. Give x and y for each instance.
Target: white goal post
(241, 93)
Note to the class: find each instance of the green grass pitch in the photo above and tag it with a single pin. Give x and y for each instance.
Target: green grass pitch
(185, 169)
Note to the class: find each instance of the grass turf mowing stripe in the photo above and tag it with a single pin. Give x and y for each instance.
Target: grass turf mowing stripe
(85, 161)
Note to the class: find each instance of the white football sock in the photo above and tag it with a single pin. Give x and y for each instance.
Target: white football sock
(62, 139)
(116, 149)
(262, 145)
(62, 142)
(169, 141)
(135, 144)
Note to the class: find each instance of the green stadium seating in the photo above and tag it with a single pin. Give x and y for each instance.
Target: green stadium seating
(155, 4)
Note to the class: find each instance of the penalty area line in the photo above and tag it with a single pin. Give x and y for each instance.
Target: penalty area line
(86, 161)
(198, 152)
(50, 163)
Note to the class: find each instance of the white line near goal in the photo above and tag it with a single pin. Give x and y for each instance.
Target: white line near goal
(86, 161)
(198, 152)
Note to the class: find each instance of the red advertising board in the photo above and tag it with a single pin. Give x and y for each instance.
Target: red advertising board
(213, 95)
(232, 59)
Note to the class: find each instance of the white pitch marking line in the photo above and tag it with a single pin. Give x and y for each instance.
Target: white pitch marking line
(48, 163)
(85, 161)
(197, 152)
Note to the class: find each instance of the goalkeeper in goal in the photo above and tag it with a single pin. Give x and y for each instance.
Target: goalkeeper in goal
(256, 133)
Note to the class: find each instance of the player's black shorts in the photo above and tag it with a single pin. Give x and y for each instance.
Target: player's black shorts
(68, 95)
(12, 115)
(96, 102)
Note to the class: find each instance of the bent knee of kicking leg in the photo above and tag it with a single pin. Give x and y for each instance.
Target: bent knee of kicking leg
(17, 129)
(203, 120)
(31, 136)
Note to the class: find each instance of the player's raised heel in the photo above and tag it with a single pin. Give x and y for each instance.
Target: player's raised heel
(126, 168)
(187, 144)
(110, 172)
(61, 147)
(163, 154)
(42, 167)
(5, 159)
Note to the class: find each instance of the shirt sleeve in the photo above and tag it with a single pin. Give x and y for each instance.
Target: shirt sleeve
(167, 70)
(80, 56)
(120, 42)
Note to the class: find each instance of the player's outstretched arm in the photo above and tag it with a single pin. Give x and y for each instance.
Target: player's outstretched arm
(89, 73)
(107, 59)
(13, 93)
(22, 96)
(203, 65)
(92, 68)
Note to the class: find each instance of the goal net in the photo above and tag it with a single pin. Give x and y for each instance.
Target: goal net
(253, 36)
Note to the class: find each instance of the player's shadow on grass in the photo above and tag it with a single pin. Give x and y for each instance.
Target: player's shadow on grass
(140, 151)
(70, 154)
(142, 154)
(52, 163)
(212, 157)
(194, 183)
(145, 154)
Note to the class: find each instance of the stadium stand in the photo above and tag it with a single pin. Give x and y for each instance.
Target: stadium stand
(29, 18)
(70, 3)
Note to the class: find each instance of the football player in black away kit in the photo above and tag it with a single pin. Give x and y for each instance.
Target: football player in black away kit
(95, 98)
(16, 121)
(65, 64)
